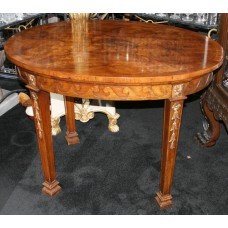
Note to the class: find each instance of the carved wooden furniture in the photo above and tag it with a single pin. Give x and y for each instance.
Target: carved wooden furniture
(114, 60)
(214, 101)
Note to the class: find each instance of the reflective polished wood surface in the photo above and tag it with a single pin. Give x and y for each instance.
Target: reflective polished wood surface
(114, 51)
(112, 60)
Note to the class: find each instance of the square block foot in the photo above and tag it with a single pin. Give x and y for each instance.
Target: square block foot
(52, 188)
(164, 201)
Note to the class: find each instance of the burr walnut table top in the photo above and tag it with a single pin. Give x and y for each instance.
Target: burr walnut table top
(114, 52)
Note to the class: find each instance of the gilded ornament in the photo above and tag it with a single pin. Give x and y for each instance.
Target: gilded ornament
(178, 90)
(31, 80)
(175, 122)
(37, 114)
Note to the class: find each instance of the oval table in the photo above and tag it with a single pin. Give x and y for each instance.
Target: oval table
(112, 60)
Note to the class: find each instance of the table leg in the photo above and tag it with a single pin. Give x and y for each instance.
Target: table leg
(42, 117)
(71, 134)
(171, 128)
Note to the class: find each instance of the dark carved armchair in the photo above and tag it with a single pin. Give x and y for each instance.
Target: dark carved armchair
(214, 102)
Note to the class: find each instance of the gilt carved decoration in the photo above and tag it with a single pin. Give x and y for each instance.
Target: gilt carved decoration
(31, 80)
(37, 114)
(55, 126)
(85, 112)
(82, 112)
(175, 124)
(178, 90)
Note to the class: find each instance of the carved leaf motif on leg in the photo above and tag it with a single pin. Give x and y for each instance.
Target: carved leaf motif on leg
(175, 118)
(37, 114)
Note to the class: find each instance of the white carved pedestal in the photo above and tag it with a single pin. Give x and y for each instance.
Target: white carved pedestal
(83, 112)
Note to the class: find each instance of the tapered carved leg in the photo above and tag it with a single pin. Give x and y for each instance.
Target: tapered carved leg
(41, 110)
(71, 134)
(171, 128)
(211, 127)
